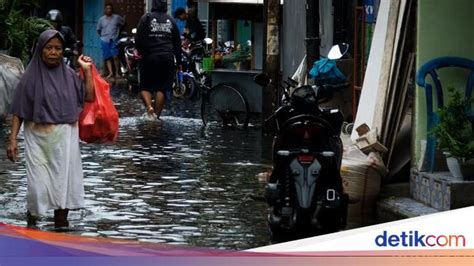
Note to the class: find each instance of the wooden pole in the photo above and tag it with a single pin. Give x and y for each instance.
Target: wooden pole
(312, 32)
(272, 60)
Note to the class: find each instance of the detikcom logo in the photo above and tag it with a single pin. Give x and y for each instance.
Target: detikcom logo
(417, 239)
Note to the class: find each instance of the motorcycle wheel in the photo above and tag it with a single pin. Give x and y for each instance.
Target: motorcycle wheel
(179, 90)
(191, 88)
(279, 235)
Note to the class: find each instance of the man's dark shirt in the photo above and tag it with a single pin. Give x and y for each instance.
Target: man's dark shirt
(68, 35)
(196, 30)
(158, 37)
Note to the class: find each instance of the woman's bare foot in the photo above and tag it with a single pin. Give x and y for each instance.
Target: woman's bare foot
(150, 110)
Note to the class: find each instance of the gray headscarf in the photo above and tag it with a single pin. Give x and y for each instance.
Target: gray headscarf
(48, 95)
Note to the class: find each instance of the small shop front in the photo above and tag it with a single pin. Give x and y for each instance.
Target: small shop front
(237, 30)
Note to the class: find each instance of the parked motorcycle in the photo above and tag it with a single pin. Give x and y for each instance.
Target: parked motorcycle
(70, 54)
(191, 75)
(130, 60)
(184, 85)
(193, 55)
(305, 191)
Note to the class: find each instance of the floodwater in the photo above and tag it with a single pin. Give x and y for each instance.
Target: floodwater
(164, 182)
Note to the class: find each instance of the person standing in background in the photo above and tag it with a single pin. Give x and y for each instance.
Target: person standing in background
(193, 30)
(108, 28)
(56, 18)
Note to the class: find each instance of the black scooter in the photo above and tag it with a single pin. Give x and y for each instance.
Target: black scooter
(305, 192)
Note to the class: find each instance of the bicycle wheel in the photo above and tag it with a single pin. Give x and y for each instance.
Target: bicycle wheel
(225, 106)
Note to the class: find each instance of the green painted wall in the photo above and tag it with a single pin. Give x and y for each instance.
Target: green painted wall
(445, 28)
(244, 32)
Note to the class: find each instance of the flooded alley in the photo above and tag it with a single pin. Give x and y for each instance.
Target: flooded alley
(164, 182)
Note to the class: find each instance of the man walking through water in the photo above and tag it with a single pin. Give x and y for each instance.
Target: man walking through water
(159, 44)
(108, 28)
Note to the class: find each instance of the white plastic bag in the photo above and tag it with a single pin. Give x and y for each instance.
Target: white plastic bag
(11, 70)
(300, 74)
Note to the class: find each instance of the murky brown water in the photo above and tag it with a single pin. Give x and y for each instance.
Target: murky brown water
(172, 182)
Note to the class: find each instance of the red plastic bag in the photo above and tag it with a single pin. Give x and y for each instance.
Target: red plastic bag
(98, 122)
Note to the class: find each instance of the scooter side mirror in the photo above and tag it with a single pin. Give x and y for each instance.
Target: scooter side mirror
(338, 51)
(262, 79)
(208, 41)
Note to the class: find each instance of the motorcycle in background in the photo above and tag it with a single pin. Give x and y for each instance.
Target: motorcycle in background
(70, 54)
(191, 75)
(184, 85)
(130, 60)
(305, 192)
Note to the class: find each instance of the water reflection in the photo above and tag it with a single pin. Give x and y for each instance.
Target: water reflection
(162, 182)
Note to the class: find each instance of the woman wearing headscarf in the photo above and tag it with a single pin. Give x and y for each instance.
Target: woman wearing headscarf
(48, 101)
(159, 44)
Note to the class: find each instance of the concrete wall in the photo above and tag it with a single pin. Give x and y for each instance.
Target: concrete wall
(445, 28)
(293, 33)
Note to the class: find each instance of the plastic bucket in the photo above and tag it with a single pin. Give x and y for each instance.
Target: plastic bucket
(208, 63)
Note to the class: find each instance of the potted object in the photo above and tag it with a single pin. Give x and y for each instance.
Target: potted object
(239, 59)
(455, 135)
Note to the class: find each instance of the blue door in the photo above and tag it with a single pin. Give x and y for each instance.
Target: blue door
(93, 10)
